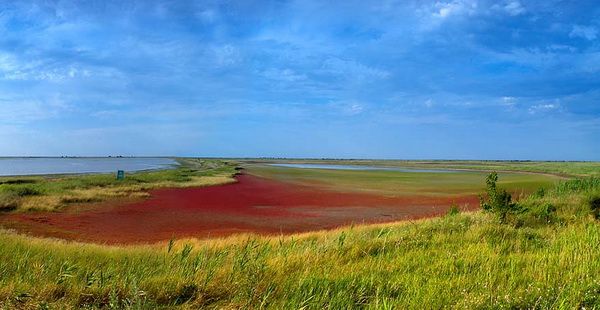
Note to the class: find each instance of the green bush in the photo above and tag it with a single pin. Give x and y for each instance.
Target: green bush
(8, 201)
(454, 210)
(539, 193)
(499, 201)
(22, 191)
(545, 212)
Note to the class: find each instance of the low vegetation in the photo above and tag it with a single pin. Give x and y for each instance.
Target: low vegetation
(498, 201)
(546, 256)
(562, 168)
(55, 192)
(400, 183)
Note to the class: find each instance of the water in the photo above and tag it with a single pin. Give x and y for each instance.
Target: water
(43, 166)
(361, 167)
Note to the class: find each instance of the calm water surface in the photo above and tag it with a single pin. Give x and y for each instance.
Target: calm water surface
(360, 167)
(41, 166)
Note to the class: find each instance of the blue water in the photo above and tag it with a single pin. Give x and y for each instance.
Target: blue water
(360, 167)
(43, 166)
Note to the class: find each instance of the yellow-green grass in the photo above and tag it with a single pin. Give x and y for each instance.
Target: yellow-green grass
(400, 183)
(563, 168)
(51, 193)
(466, 261)
(463, 261)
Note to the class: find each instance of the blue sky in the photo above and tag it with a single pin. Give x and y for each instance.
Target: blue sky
(461, 79)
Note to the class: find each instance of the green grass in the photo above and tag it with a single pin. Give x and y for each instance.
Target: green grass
(55, 192)
(563, 168)
(466, 261)
(395, 183)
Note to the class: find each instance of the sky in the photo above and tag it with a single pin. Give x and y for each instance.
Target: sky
(461, 79)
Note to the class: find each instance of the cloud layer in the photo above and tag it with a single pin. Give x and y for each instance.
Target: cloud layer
(388, 79)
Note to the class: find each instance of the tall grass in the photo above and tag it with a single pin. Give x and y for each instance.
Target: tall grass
(577, 185)
(465, 261)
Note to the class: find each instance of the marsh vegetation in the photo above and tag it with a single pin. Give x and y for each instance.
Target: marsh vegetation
(52, 193)
(546, 256)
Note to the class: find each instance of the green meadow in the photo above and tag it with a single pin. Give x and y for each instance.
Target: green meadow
(564, 168)
(396, 183)
(547, 255)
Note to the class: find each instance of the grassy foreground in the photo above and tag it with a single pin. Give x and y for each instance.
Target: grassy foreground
(548, 257)
(52, 193)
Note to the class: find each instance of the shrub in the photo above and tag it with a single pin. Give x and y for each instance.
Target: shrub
(545, 212)
(8, 201)
(454, 210)
(499, 201)
(23, 191)
(540, 193)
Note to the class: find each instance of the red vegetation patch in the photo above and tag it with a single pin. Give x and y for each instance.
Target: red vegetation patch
(252, 204)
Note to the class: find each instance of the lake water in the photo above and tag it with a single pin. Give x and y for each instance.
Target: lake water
(360, 167)
(42, 166)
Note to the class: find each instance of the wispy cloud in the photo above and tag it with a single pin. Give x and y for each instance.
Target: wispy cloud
(227, 55)
(587, 32)
(23, 110)
(444, 9)
(350, 69)
(544, 107)
(513, 7)
(222, 68)
(287, 75)
(509, 101)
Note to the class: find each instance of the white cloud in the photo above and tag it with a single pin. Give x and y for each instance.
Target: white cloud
(355, 108)
(348, 107)
(510, 7)
(105, 114)
(8, 63)
(543, 107)
(514, 8)
(433, 15)
(24, 110)
(587, 32)
(445, 9)
(287, 75)
(352, 70)
(561, 48)
(227, 55)
(509, 101)
(13, 68)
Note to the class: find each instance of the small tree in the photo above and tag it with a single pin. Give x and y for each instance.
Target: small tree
(499, 201)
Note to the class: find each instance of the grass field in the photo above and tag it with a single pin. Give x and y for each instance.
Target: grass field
(571, 169)
(53, 193)
(547, 256)
(394, 183)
